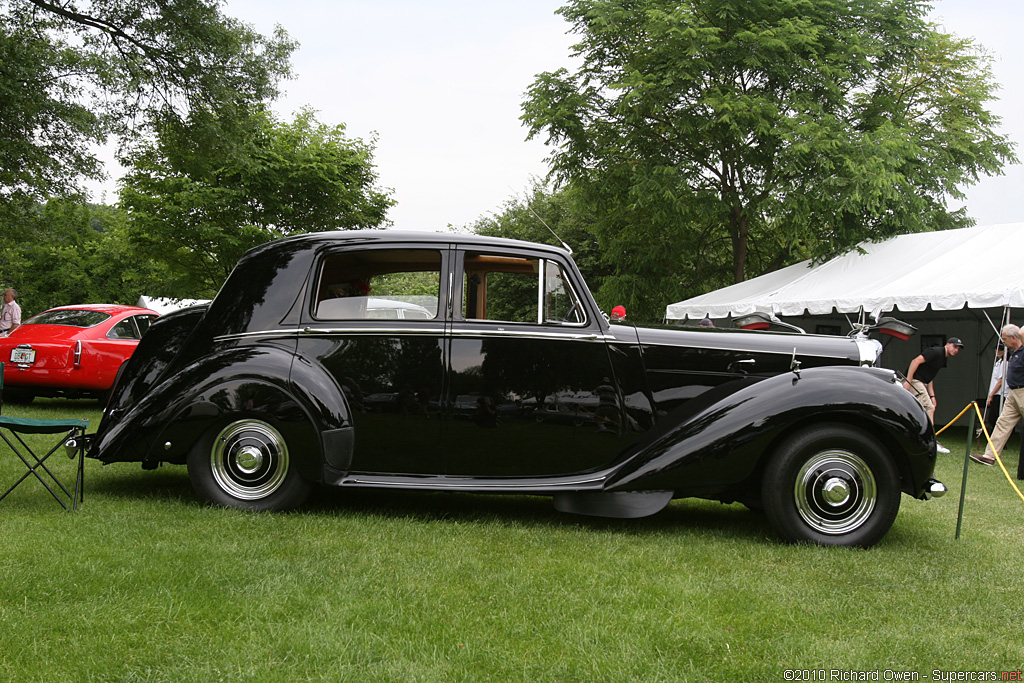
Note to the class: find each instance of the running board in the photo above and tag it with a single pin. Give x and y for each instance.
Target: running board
(539, 485)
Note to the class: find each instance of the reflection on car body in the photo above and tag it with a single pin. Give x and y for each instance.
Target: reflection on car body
(497, 373)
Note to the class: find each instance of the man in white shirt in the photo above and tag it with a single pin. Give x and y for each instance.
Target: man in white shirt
(10, 317)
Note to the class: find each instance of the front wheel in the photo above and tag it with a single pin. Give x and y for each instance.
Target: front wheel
(831, 485)
(247, 466)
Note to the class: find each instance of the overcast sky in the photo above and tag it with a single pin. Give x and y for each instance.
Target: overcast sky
(440, 83)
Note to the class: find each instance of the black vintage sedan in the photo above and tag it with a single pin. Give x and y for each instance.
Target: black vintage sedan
(509, 380)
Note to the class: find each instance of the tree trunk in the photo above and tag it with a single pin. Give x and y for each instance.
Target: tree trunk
(738, 234)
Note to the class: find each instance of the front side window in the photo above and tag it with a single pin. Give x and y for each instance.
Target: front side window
(517, 289)
(561, 305)
(381, 284)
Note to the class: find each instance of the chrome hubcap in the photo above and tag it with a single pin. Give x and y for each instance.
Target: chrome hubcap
(835, 492)
(249, 460)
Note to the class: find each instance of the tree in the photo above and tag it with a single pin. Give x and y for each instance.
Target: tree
(78, 253)
(720, 139)
(197, 203)
(556, 218)
(73, 73)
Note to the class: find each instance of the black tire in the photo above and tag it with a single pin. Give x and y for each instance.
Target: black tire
(831, 485)
(246, 465)
(20, 397)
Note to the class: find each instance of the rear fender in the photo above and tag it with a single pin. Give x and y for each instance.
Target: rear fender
(182, 412)
(722, 438)
(155, 353)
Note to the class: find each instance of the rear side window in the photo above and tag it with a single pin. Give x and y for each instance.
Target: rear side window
(123, 330)
(70, 317)
(143, 322)
(381, 284)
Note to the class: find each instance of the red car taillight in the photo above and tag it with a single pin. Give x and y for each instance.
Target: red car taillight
(78, 353)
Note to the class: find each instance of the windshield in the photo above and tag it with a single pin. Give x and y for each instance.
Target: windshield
(69, 317)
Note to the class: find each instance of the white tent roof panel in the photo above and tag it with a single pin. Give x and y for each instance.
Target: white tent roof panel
(979, 267)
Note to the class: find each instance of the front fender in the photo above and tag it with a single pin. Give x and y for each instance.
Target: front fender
(718, 442)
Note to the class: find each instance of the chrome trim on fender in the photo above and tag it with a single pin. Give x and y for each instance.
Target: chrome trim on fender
(738, 349)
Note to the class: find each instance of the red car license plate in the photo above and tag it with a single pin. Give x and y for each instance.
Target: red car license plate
(23, 356)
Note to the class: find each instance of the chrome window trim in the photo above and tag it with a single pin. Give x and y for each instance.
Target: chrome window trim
(543, 261)
(542, 283)
(327, 251)
(564, 276)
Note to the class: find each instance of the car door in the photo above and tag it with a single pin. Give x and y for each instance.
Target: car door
(391, 370)
(531, 392)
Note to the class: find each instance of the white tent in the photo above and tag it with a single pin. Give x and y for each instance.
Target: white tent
(162, 305)
(948, 283)
(979, 267)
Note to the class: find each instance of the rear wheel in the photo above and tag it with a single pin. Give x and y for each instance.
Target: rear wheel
(247, 465)
(831, 485)
(18, 396)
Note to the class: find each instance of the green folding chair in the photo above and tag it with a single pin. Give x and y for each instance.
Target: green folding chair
(73, 440)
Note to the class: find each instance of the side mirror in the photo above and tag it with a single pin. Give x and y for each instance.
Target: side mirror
(618, 314)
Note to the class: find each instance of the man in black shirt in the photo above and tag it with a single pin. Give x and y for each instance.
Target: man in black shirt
(1013, 406)
(921, 374)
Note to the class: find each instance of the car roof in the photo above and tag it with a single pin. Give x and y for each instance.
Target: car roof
(399, 236)
(109, 309)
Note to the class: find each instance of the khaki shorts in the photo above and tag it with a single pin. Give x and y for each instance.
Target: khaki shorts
(920, 391)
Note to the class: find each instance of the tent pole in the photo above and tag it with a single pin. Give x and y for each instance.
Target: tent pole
(963, 483)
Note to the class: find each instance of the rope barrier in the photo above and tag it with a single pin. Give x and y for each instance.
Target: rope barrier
(988, 439)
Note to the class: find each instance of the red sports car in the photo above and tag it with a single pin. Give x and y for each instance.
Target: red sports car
(72, 351)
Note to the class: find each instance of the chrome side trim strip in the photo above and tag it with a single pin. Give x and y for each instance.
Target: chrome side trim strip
(392, 331)
(307, 331)
(525, 334)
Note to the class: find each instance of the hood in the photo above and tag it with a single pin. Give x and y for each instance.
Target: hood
(840, 350)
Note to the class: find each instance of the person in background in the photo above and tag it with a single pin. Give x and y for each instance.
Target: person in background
(706, 322)
(10, 316)
(921, 375)
(996, 391)
(1013, 407)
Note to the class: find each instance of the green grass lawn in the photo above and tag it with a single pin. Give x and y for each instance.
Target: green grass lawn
(145, 584)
